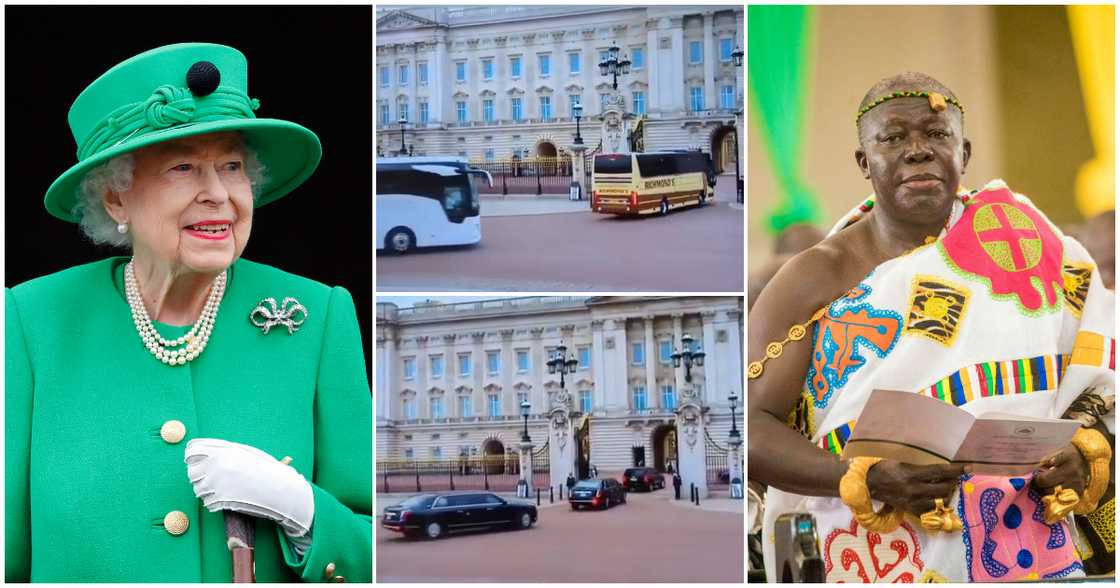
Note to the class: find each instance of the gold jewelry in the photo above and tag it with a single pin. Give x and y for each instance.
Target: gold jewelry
(855, 494)
(941, 518)
(1059, 504)
(1095, 449)
(774, 348)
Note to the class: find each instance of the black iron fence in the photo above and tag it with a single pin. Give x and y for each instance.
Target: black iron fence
(717, 465)
(497, 473)
(531, 175)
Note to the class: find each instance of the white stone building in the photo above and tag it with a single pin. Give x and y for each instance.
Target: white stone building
(450, 377)
(493, 82)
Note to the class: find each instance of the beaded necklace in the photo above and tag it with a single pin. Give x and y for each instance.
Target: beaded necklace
(185, 348)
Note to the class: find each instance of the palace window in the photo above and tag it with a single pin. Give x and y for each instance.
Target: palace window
(514, 67)
(639, 102)
(585, 401)
(725, 49)
(546, 107)
(461, 111)
(409, 454)
(695, 52)
(435, 406)
(464, 364)
(460, 71)
(384, 108)
(493, 358)
(696, 98)
(488, 110)
(408, 409)
(515, 108)
(494, 405)
(402, 74)
(383, 76)
(422, 73)
(604, 99)
(544, 63)
(727, 97)
(436, 363)
(521, 397)
(573, 63)
(437, 453)
(423, 107)
(466, 407)
(402, 111)
(637, 58)
(573, 99)
(639, 398)
(638, 353)
(487, 69)
(665, 351)
(584, 357)
(409, 368)
(668, 397)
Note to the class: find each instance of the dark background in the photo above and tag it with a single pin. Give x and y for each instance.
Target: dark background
(312, 65)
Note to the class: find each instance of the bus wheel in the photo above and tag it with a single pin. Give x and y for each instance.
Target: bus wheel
(400, 240)
(664, 210)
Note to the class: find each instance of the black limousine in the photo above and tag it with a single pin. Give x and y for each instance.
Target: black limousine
(435, 515)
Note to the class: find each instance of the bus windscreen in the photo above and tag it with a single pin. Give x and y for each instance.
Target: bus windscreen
(612, 164)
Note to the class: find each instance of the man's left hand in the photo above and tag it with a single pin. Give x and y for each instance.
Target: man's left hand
(1066, 468)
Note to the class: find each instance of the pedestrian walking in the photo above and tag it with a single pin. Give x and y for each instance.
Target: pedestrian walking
(676, 486)
(570, 483)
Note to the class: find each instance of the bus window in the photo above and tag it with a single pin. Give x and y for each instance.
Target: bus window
(612, 164)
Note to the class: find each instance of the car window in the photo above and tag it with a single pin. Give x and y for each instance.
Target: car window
(587, 484)
(417, 501)
(440, 502)
(490, 499)
(632, 472)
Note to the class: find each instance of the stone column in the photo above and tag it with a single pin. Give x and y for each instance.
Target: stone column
(598, 364)
(561, 438)
(578, 171)
(507, 357)
(438, 73)
(654, 101)
(713, 375)
(690, 444)
(525, 484)
(614, 376)
(734, 444)
(537, 395)
(711, 57)
(651, 356)
(478, 373)
(387, 359)
(423, 372)
(675, 83)
(678, 373)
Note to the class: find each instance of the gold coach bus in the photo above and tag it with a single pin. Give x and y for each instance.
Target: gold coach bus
(648, 183)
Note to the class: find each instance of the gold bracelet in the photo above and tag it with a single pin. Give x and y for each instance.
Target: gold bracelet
(1095, 449)
(774, 348)
(855, 494)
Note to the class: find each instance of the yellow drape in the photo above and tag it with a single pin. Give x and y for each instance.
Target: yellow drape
(1094, 38)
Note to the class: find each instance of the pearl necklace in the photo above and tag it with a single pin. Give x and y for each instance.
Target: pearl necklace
(171, 352)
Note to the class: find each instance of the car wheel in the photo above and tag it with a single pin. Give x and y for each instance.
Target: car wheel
(664, 209)
(525, 521)
(433, 530)
(607, 503)
(400, 240)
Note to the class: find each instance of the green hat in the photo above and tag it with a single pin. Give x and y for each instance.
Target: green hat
(174, 92)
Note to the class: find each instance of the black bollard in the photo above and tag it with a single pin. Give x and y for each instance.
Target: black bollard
(551, 498)
(538, 496)
(561, 487)
(697, 497)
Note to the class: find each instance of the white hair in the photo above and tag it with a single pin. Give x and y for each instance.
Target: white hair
(116, 175)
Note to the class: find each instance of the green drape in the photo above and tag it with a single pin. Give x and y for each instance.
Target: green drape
(778, 67)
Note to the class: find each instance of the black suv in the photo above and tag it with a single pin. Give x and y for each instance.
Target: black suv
(643, 479)
(597, 493)
(434, 515)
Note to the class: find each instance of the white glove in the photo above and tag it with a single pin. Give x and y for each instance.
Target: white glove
(232, 476)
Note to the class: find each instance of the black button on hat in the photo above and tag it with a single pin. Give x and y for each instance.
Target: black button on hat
(203, 78)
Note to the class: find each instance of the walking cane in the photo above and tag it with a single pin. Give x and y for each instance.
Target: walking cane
(240, 537)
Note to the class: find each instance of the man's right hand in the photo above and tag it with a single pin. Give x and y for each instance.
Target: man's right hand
(913, 488)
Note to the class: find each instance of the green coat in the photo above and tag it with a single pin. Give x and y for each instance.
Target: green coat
(88, 477)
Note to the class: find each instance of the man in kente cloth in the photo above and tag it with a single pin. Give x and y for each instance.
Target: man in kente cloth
(971, 297)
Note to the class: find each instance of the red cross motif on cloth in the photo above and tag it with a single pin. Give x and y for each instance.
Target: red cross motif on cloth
(1010, 244)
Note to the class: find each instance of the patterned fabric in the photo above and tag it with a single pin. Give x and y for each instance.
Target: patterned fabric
(1094, 350)
(856, 555)
(937, 308)
(1008, 244)
(995, 378)
(1103, 521)
(835, 441)
(1005, 532)
(1075, 285)
(838, 337)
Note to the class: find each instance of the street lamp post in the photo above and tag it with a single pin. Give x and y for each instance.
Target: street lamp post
(733, 402)
(403, 121)
(577, 113)
(613, 67)
(562, 363)
(734, 442)
(737, 59)
(688, 357)
(525, 406)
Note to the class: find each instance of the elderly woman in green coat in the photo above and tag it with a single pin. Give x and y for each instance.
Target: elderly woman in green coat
(148, 395)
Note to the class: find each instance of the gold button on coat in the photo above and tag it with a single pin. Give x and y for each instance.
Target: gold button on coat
(329, 570)
(176, 522)
(338, 579)
(173, 431)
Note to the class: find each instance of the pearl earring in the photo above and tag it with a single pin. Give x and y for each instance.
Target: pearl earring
(122, 228)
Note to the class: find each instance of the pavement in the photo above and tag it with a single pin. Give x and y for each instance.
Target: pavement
(651, 538)
(556, 245)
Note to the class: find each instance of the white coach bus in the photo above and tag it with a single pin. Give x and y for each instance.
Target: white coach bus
(427, 202)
